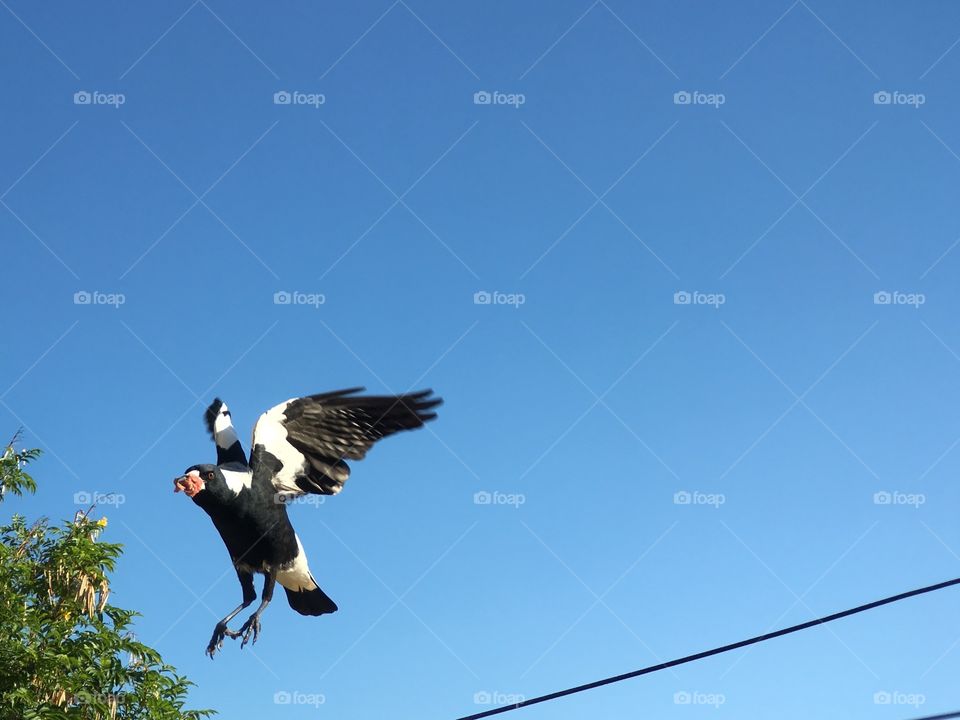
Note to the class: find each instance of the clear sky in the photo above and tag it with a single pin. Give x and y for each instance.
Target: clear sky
(682, 214)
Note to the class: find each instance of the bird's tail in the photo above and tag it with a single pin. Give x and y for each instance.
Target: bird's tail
(310, 602)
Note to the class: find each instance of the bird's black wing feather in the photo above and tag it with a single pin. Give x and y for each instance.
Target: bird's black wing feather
(312, 436)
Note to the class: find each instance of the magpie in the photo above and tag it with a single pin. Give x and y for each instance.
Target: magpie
(299, 446)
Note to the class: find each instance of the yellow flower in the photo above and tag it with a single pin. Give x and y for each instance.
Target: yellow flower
(102, 522)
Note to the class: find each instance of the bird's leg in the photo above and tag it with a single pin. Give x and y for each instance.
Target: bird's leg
(251, 628)
(221, 630)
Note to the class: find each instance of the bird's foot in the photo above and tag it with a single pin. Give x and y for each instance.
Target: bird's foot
(250, 630)
(216, 641)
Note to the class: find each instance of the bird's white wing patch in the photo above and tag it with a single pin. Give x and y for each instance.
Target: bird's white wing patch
(270, 432)
(295, 575)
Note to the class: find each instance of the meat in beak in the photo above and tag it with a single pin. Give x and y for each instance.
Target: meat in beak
(190, 484)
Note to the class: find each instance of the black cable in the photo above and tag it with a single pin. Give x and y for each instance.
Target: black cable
(942, 716)
(717, 651)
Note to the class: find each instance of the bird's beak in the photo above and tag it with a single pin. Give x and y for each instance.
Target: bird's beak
(179, 483)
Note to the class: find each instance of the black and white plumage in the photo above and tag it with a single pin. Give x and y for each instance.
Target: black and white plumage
(220, 426)
(299, 446)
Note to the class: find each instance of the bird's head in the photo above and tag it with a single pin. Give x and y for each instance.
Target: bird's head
(196, 479)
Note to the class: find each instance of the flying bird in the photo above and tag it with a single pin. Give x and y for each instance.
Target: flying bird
(299, 447)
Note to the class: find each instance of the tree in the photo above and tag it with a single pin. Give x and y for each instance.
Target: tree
(65, 651)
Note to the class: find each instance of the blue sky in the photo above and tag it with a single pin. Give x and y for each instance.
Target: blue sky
(719, 247)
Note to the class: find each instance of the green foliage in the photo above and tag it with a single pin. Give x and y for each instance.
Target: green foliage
(65, 651)
(12, 476)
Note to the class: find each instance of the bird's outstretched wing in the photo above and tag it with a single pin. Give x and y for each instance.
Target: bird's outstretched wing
(220, 426)
(302, 443)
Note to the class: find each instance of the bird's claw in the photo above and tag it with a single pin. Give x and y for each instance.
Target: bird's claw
(249, 632)
(216, 641)
(250, 629)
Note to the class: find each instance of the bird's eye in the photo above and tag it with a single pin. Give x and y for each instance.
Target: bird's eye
(209, 476)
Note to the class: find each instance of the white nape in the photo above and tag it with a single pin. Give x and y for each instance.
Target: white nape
(237, 480)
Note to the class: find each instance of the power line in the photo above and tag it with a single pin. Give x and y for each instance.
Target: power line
(942, 716)
(722, 649)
